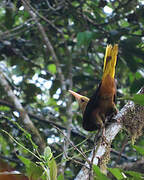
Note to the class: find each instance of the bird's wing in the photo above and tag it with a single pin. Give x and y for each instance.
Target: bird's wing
(89, 123)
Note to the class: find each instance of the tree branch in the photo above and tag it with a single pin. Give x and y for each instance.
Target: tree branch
(51, 122)
(47, 42)
(69, 115)
(134, 166)
(18, 29)
(130, 109)
(23, 114)
(73, 132)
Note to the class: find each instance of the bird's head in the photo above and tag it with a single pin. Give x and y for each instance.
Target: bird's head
(82, 100)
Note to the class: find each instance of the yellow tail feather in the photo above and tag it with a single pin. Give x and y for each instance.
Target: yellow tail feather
(110, 61)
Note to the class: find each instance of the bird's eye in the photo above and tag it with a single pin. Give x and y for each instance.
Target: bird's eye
(82, 100)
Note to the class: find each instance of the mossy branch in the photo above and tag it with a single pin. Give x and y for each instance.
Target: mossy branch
(125, 118)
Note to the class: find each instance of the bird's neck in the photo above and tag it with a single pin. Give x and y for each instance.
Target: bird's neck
(107, 86)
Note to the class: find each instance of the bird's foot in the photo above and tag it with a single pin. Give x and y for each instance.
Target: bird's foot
(104, 140)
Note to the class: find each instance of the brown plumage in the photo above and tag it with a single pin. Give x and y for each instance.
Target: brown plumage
(102, 103)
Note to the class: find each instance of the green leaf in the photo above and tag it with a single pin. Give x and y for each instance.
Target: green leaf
(4, 145)
(47, 153)
(4, 108)
(138, 99)
(60, 177)
(136, 175)
(68, 173)
(116, 173)
(75, 4)
(53, 169)
(24, 160)
(52, 68)
(32, 170)
(84, 38)
(99, 174)
(139, 149)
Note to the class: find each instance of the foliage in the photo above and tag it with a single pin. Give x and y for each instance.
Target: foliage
(98, 173)
(40, 72)
(139, 98)
(117, 173)
(47, 168)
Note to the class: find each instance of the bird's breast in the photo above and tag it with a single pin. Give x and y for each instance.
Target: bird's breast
(106, 94)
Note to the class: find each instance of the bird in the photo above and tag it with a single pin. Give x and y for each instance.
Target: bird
(101, 104)
(82, 100)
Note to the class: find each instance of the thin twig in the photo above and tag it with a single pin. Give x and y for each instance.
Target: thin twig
(9, 32)
(52, 122)
(123, 146)
(76, 161)
(83, 155)
(48, 44)
(21, 145)
(23, 114)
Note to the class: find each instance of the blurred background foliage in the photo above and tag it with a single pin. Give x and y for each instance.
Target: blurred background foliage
(78, 32)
